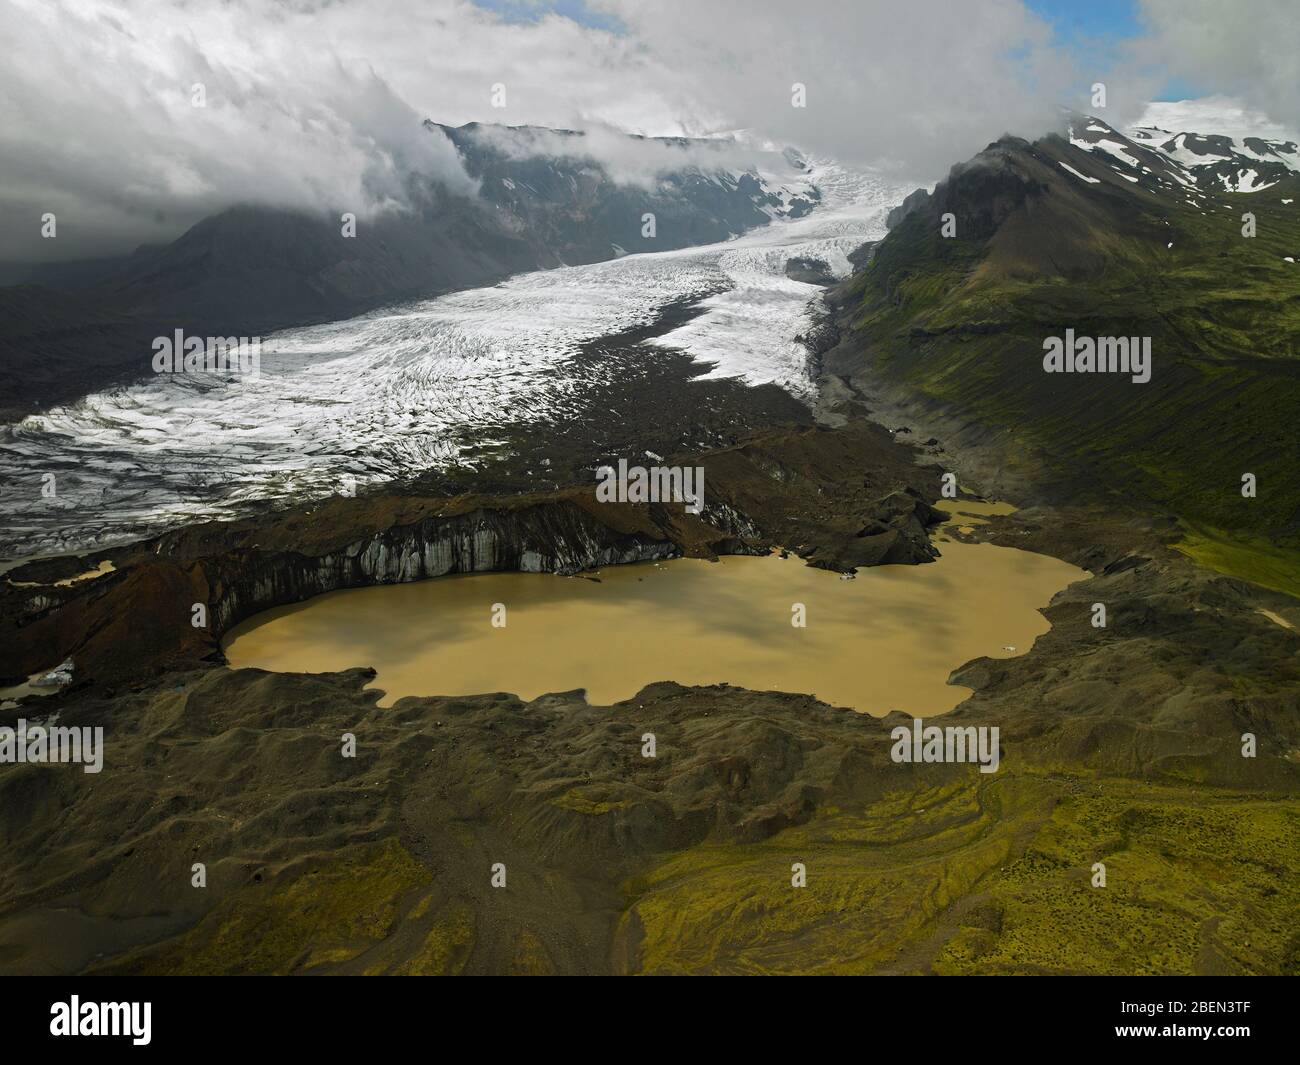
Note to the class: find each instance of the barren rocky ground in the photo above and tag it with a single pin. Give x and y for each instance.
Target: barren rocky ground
(1120, 745)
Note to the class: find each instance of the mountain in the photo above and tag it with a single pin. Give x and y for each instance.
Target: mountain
(545, 200)
(1217, 161)
(55, 345)
(1110, 235)
(263, 268)
(546, 186)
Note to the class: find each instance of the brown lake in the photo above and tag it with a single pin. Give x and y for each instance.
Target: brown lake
(886, 640)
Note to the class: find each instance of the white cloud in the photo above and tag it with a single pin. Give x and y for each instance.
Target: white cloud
(318, 103)
(1248, 50)
(633, 160)
(1214, 114)
(97, 123)
(923, 83)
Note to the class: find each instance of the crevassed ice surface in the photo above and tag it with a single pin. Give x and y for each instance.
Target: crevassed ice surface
(393, 392)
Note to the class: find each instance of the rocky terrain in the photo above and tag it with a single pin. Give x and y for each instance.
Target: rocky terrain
(840, 498)
(1120, 745)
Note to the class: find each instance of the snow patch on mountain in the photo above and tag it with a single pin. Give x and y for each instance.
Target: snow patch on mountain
(1220, 144)
(1081, 177)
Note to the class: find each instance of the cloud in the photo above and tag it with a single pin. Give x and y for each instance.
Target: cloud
(317, 104)
(98, 124)
(634, 160)
(1249, 50)
(920, 84)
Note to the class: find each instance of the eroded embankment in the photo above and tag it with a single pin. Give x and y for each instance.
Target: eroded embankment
(887, 640)
(841, 499)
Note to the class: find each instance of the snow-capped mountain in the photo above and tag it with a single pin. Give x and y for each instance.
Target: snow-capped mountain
(1249, 165)
(1171, 146)
(1113, 235)
(576, 189)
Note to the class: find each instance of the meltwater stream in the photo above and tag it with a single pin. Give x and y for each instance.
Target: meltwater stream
(400, 391)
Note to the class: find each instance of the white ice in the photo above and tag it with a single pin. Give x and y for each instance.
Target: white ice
(398, 391)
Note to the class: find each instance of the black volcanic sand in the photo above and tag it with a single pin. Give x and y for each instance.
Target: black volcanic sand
(1120, 746)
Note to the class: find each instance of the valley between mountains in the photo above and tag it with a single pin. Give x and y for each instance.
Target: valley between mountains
(827, 371)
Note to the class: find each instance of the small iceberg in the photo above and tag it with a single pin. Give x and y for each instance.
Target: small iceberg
(57, 677)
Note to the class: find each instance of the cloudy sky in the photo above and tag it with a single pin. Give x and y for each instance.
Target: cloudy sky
(317, 103)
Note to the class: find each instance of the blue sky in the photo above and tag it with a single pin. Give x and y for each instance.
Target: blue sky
(531, 10)
(1072, 18)
(1081, 19)
(1090, 29)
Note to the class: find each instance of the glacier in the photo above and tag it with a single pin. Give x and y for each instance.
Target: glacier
(396, 392)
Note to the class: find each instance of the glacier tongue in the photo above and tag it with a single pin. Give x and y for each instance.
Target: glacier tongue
(396, 392)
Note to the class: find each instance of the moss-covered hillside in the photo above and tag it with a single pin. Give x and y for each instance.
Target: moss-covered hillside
(1107, 250)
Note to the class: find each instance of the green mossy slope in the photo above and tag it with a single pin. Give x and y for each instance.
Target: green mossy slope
(961, 322)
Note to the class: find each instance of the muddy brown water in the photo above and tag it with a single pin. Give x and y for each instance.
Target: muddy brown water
(887, 640)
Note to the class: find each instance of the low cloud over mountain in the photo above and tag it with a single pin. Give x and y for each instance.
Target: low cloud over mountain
(317, 105)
